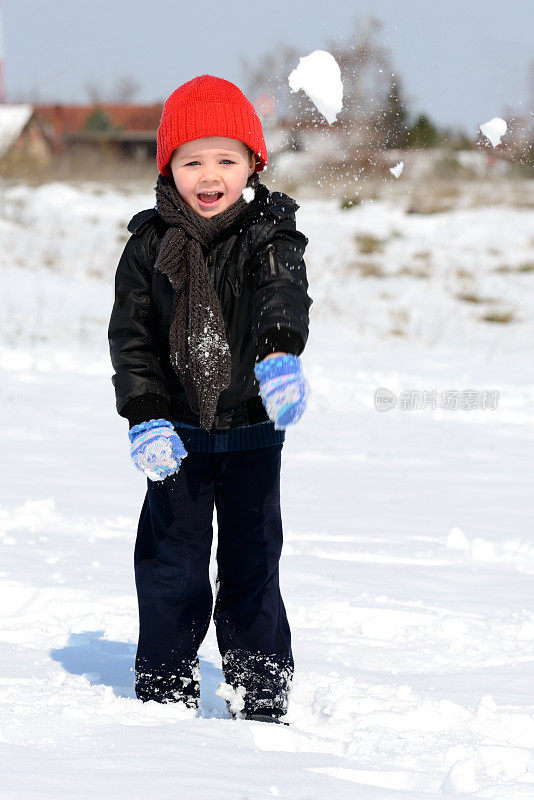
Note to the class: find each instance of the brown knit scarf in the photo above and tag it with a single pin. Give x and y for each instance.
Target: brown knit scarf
(199, 350)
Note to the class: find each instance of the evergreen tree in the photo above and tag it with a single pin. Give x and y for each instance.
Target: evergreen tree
(423, 133)
(98, 120)
(393, 118)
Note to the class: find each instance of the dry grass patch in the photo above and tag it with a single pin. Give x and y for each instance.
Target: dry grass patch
(368, 244)
(413, 272)
(97, 273)
(434, 199)
(51, 260)
(528, 266)
(464, 273)
(399, 318)
(367, 269)
(501, 317)
(471, 297)
(350, 202)
(423, 255)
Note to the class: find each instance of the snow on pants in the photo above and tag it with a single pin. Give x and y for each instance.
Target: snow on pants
(171, 558)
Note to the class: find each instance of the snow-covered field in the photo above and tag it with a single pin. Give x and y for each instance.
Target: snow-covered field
(408, 565)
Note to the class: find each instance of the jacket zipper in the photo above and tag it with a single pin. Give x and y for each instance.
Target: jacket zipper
(209, 263)
(272, 260)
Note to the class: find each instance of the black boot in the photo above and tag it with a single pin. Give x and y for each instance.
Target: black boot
(261, 715)
(265, 715)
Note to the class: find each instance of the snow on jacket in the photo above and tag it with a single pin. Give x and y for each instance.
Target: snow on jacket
(259, 275)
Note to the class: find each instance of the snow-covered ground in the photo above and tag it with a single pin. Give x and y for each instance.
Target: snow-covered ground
(408, 565)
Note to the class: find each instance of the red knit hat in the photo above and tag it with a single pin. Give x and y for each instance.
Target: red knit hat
(208, 106)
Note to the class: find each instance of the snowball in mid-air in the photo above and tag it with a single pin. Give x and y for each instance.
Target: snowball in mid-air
(248, 194)
(320, 77)
(397, 169)
(494, 130)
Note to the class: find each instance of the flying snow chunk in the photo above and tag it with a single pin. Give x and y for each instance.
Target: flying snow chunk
(397, 169)
(494, 130)
(235, 696)
(248, 194)
(320, 77)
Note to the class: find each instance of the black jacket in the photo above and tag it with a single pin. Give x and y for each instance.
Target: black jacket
(260, 278)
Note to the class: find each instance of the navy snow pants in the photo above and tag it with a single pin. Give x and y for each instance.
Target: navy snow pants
(171, 559)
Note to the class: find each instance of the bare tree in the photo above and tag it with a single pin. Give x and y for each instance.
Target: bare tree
(365, 69)
(530, 106)
(126, 88)
(391, 120)
(94, 92)
(518, 144)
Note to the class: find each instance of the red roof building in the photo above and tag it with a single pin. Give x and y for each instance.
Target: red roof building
(64, 124)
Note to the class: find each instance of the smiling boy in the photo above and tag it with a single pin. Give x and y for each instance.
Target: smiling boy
(210, 317)
(213, 165)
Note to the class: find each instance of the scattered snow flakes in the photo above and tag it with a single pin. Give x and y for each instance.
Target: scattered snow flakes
(234, 697)
(248, 194)
(494, 130)
(320, 77)
(209, 344)
(397, 169)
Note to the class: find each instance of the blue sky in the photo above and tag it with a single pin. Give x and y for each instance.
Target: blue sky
(461, 61)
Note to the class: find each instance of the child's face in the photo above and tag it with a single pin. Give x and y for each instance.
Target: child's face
(212, 164)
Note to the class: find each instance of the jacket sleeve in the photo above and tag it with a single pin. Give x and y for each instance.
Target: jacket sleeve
(140, 387)
(281, 302)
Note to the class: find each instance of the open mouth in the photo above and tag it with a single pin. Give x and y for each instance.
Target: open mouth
(208, 199)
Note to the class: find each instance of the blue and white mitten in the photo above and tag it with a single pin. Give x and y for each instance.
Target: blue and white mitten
(283, 388)
(156, 448)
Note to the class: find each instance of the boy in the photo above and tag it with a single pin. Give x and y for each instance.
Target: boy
(210, 317)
